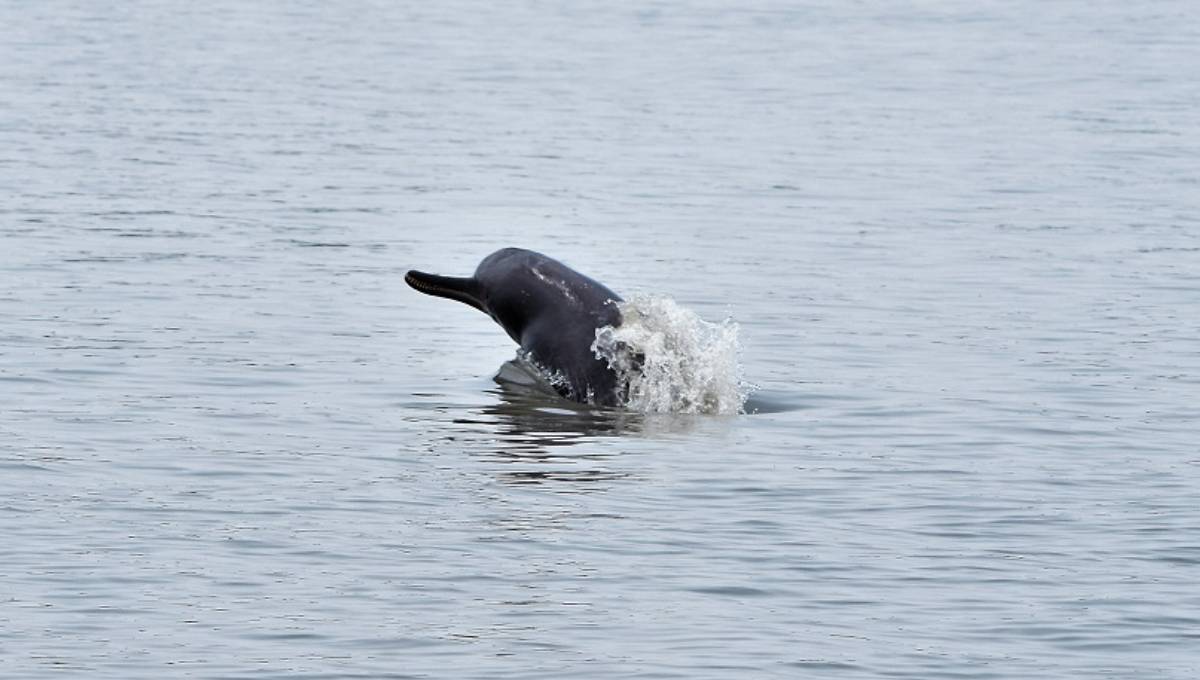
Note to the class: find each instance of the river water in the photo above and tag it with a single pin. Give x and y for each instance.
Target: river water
(960, 240)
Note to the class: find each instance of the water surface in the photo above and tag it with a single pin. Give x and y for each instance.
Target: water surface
(961, 243)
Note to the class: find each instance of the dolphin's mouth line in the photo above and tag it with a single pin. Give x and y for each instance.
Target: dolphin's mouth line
(429, 287)
(425, 287)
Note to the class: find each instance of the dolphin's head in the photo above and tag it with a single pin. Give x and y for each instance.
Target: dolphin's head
(508, 290)
(497, 289)
(523, 290)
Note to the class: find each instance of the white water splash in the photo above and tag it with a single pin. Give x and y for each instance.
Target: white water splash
(672, 360)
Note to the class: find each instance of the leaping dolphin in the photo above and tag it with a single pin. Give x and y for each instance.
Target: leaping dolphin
(549, 309)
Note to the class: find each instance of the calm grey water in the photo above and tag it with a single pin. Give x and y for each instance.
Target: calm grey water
(962, 241)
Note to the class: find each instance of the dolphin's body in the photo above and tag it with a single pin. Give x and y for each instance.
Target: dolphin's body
(549, 309)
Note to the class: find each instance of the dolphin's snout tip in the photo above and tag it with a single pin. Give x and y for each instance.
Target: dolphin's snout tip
(414, 278)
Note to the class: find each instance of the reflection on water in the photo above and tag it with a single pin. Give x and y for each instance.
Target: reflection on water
(546, 437)
(549, 437)
(525, 409)
(572, 476)
(540, 437)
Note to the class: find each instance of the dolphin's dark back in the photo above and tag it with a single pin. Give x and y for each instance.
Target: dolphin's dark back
(549, 309)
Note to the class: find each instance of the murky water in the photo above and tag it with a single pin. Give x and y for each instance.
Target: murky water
(961, 243)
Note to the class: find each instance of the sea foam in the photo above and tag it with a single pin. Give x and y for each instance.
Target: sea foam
(672, 360)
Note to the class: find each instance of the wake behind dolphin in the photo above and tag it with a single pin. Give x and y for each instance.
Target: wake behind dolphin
(592, 347)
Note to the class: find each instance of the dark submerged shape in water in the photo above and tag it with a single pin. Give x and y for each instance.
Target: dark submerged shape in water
(549, 309)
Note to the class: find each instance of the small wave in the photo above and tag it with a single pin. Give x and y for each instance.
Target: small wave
(672, 360)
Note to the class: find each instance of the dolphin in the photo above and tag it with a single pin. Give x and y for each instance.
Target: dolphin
(549, 309)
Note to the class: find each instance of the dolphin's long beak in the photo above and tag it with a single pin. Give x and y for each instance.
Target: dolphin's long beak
(456, 288)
